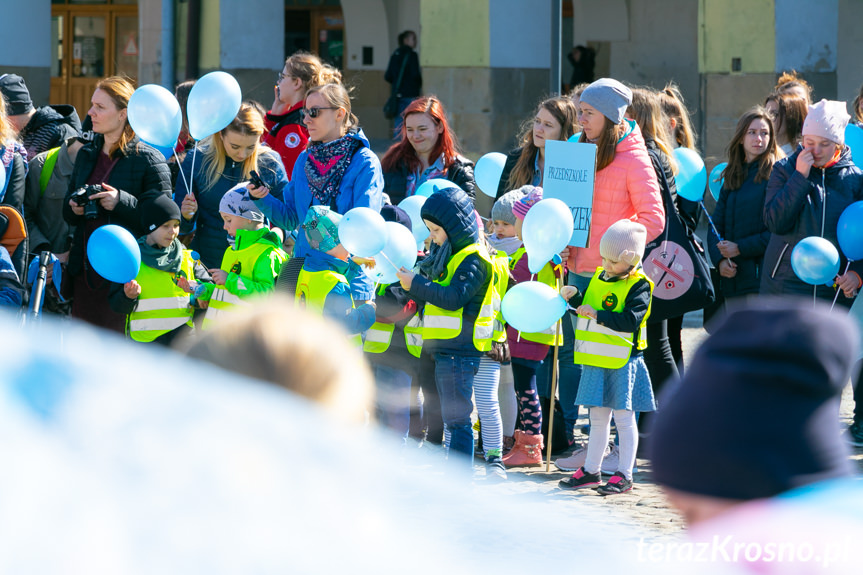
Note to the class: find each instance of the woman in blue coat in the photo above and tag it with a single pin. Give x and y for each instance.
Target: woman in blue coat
(338, 170)
(224, 160)
(738, 250)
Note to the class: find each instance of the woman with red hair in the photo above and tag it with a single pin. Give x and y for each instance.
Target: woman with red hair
(428, 149)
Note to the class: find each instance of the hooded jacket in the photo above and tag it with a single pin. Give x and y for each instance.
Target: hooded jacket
(796, 208)
(453, 211)
(338, 304)
(49, 127)
(625, 189)
(211, 239)
(738, 217)
(361, 186)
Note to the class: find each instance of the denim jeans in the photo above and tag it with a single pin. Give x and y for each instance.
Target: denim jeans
(570, 372)
(393, 398)
(454, 378)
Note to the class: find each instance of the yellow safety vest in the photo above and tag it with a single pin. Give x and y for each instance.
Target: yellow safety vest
(500, 265)
(377, 338)
(439, 323)
(223, 302)
(313, 289)
(162, 305)
(598, 345)
(546, 275)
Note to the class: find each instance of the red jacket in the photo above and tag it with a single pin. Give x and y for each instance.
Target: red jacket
(287, 135)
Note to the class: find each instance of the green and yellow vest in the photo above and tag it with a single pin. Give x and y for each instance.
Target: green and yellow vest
(546, 276)
(162, 306)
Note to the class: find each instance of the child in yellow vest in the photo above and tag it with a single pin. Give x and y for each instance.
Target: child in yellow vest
(251, 263)
(156, 302)
(609, 339)
(324, 282)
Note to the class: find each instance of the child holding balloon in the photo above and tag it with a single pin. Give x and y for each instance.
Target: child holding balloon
(156, 302)
(251, 263)
(323, 284)
(610, 336)
(457, 288)
(528, 350)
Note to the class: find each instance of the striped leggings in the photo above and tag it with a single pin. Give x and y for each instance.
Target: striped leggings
(485, 384)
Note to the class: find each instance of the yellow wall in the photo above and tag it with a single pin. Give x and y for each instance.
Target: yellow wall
(455, 33)
(742, 29)
(210, 57)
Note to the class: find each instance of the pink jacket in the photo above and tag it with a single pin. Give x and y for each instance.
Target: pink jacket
(626, 189)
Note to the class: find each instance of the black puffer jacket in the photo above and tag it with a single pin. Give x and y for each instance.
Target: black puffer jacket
(49, 127)
(453, 210)
(140, 173)
(738, 218)
(460, 173)
(796, 208)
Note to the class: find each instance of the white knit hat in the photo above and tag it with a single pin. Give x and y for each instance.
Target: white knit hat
(827, 119)
(624, 242)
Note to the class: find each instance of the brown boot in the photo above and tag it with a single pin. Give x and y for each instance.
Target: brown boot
(527, 451)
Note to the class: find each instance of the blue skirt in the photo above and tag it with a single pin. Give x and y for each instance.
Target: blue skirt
(625, 388)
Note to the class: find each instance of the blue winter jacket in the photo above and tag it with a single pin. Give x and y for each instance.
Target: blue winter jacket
(211, 239)
(338, 305)
(11, 291)
(361, 186)
(795, 208)
(453, 210)
(739, 218)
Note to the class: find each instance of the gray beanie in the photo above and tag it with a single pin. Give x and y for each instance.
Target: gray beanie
(238, 202)
(624, 242)
(502, 209)
(610, 97)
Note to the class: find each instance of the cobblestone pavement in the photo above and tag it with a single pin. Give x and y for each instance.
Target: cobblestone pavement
(643, 511)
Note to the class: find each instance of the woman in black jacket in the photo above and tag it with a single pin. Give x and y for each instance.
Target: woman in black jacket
(738, 250)
(428, 149)
(129, 172)
(555, 119)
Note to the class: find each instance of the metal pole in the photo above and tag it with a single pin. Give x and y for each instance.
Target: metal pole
(168, 73)
(556, 47)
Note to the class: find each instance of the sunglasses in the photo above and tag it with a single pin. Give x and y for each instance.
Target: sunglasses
(314, 112)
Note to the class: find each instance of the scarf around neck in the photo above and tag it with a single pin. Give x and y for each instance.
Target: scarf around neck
(326, 165)
(163, 259)
(434, 266)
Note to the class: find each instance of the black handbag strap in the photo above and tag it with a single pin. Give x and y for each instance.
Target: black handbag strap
(398, 83)
(665, 190)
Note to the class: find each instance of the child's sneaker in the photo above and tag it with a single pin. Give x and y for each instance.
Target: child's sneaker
(580, 479)
(617, 484)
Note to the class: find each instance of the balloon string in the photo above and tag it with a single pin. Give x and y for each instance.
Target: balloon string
(182, 175)
(389, 260)
(191, 172)
(836, 297)
(710, 221)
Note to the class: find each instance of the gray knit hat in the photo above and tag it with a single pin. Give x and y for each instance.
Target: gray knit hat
(623, 241)
(610, 97)
(238, 202)
(502, 209)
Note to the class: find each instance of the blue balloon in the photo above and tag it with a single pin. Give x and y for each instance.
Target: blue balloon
(850, 231)
(400, 252)
(166, 151)
(546, 231)
(413, 205)
(363, 232)
(715, 181)
(429, 187)
(155, 115)
(854, 140)
(691, 178)
(487, 172)
(532, 306)
(213, 103)
(574, 137)
(114, 253)
(815, 261)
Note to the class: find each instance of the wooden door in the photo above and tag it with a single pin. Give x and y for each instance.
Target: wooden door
(88, 44)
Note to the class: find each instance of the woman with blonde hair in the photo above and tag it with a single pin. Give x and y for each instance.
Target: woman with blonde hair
(13, 156)
(224, 160)
(285, 131)
(337, 170)
(130, 172)
(555, 119)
